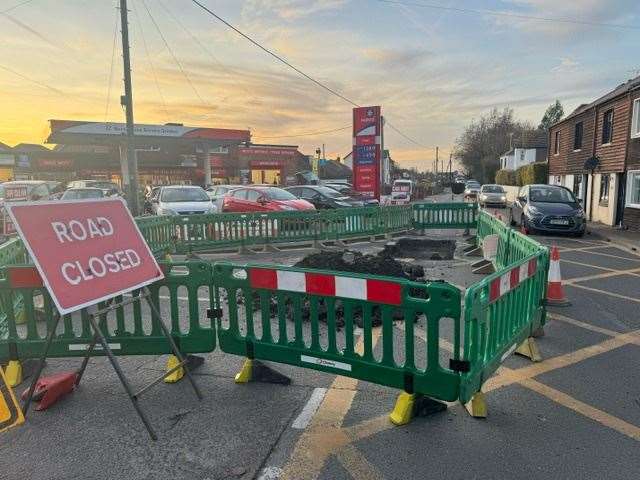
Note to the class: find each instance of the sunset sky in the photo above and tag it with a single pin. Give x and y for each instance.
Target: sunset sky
(432, 69)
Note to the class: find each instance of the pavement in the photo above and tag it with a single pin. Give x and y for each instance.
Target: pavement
(576, 414)
(626, 238)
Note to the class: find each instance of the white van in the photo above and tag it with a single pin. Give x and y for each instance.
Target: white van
(401, 192)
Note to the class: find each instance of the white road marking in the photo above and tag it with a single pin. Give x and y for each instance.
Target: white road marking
(270, 473)
(309, 410)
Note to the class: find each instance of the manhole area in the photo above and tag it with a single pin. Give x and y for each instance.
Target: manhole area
(420, 248)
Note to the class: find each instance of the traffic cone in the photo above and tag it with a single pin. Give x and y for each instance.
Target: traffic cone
(555, 292)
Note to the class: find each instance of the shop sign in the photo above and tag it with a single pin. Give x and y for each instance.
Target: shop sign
(54, 163)
(275, 163)
(216, 160)
(367, 134)
(271, 152)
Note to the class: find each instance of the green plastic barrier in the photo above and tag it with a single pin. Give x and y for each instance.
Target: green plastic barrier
(288, 315)
(445, 215)
(128, 329)
(159, 232)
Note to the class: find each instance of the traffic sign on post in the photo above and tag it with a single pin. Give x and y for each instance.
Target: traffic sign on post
(85, 251)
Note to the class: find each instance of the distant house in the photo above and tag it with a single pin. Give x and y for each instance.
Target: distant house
(595, 152)
(532, 148)
(334, 170)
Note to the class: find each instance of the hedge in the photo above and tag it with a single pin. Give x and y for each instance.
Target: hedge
(506, 177)
(533, 173)
(525, 175)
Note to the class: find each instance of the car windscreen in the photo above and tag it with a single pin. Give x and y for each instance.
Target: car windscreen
(103, 185)
(172, 195)
(492, 189)
(551, 195)
(82, 194)
(278, 194)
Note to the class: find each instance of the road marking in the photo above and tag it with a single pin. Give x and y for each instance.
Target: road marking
(598, 276)
(582, 264)
(617, 295)
(578, 323)
(610, 255)
(270, 473)
(309, 409)
(582, 408)
(356, 464)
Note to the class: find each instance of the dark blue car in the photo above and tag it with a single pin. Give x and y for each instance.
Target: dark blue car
(549, 209)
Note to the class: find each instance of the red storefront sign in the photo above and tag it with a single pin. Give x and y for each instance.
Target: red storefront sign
(216, 161)
(367, 132)
(55, 163)
(267, 151)
(85, 251)
(266, 163)
(13, 193)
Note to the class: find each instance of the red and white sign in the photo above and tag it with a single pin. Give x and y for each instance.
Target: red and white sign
(367, 137)
(379, 291)
(13, 193)
(505, 283)
(85, 251)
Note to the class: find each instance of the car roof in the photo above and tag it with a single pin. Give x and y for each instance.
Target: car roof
(181, 186)
(84, 188)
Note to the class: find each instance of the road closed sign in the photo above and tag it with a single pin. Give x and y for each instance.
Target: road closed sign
(85, 251)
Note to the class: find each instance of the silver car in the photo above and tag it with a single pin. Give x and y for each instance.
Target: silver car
(492, 196)
(181, 200)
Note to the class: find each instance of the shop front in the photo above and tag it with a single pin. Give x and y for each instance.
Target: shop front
(271, 164)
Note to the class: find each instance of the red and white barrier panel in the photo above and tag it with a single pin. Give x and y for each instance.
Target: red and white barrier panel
(510, 280)
(378, 291)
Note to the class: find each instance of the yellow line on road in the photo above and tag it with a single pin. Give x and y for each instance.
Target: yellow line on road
(356, 464)
(582, 408)
(604, 292)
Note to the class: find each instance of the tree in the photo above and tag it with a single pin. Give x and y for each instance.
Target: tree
(554, 114)
(482, 143)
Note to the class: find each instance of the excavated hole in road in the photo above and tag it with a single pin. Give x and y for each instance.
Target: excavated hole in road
(397, 259)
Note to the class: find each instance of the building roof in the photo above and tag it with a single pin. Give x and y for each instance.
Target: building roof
(4, 147)
(621, 89)
(333, 169)
(30, 147)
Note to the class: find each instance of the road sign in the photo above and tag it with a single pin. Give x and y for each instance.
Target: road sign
(10, 412)
(18, 192)
(85, 251)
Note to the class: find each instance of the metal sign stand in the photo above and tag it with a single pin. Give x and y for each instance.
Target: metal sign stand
(100, 337)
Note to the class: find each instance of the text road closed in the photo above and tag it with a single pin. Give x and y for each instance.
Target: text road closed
(86, 251)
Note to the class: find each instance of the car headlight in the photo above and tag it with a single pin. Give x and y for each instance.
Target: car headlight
(534, 212)
(286, 207)
(579, 214)
(483, 196)
(166, 211)
(503, 198)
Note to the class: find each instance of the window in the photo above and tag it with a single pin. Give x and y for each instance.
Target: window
(577, 136)
(577, 185)
(253, 195)
(556, 144)
(633, 189)
(607, 127)
(635, 122)
(604, 188)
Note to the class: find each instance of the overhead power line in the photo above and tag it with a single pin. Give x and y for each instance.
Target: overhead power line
(113, 56)
(35, 82)
(175, 58)
(296, 69)
(308, 134)
(496, 13)
(17, 5)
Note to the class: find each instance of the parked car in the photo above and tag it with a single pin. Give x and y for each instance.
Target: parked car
(262, 199)
(492, 196)
(180, 200)
(322, 197)
(401, 192)
(347, 190)
(109, 188)
(217, 192)
(82, 194)
(548, 208)
(471, 190)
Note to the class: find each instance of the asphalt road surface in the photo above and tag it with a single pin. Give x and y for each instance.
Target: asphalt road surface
(574, 415)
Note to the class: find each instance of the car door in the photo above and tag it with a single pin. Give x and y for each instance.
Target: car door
(234, 201)
(311, 196)
(519, 204)
(256, 201)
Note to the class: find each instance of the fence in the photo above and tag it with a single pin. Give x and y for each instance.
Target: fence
(445, 215)
(129, 329)
(308, 318)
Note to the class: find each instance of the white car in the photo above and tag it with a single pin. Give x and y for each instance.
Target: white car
(181, 200)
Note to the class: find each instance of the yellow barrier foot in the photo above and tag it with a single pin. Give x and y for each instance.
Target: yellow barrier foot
(10, 411)
(193, 362)
(244, 375)
(410, 405)
(529, 349)
(13, 373)
(403, 411)
(477, 406)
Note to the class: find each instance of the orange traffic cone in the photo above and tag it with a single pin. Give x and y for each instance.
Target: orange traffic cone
(555, 292)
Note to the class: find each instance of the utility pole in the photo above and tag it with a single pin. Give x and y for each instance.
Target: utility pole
(127, 101)
(437, 149)
(451, 175)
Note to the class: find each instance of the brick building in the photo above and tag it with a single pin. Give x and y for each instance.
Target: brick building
(595, 152)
